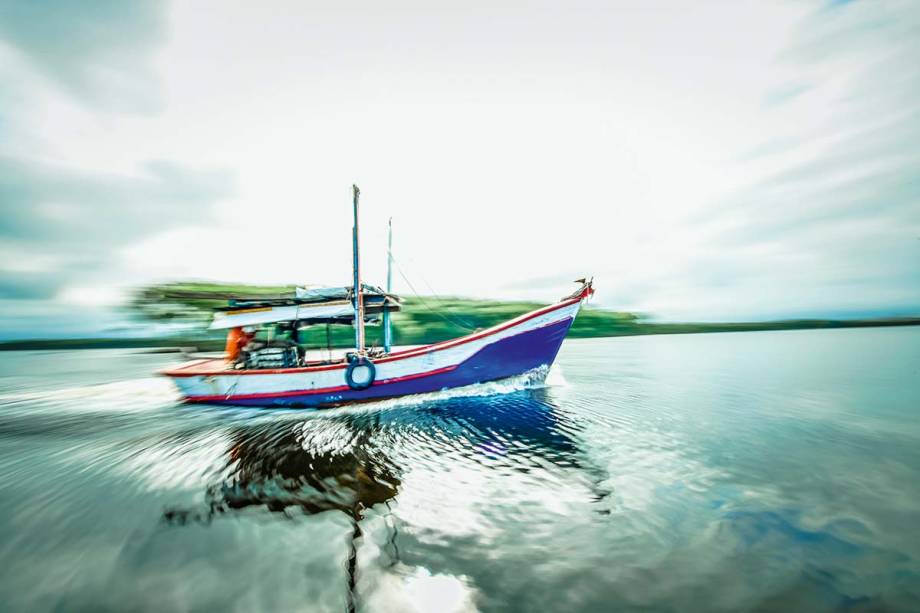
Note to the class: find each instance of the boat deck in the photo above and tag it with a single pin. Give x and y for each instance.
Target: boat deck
(209, 365)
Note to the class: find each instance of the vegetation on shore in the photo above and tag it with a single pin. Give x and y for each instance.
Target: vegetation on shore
(421, 320)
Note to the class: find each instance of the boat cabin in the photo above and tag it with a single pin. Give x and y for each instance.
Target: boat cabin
(265, 331)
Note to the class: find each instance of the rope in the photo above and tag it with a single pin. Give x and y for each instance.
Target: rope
(456, 322)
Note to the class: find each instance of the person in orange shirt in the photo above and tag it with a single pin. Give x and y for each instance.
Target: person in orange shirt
(237, 338)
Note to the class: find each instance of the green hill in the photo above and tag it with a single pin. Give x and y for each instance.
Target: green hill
(421, 320)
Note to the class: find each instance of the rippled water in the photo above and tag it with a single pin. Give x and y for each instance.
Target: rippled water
(723, 472)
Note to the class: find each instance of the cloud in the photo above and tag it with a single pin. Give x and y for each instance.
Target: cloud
(50, 203)
(100, 52)
(785, 93)
(72, 222)
(64, 219)
(34, 285)
(837, 222)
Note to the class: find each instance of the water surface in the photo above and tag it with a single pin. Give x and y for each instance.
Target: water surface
(711, 472)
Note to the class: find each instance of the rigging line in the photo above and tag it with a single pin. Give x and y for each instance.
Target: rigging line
(446, 318)
(431, 289)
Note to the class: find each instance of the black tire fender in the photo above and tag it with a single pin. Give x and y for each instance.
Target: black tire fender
(359, 362)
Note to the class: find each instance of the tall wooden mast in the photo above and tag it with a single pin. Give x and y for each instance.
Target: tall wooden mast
(356, 265)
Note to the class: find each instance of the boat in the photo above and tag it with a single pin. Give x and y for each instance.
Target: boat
(280, 376)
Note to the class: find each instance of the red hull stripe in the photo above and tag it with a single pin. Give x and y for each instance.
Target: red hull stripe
(187, 370)
(311, 392)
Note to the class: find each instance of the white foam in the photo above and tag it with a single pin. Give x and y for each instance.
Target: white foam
(127, 395)
(532, 379)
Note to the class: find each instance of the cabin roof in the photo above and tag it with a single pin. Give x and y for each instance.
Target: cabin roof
(309, 305)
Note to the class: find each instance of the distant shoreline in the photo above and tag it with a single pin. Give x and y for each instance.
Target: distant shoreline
(179, 344)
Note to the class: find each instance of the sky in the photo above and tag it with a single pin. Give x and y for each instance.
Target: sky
(718, 160)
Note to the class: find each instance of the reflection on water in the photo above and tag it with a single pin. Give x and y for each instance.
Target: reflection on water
(285, 465)
(348, 462)
(712, 472)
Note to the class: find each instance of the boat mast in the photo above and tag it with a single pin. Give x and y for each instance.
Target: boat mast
(387, 331)
(356, 265)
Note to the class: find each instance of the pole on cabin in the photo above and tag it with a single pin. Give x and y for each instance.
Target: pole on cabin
(387, 326)
(356, 262)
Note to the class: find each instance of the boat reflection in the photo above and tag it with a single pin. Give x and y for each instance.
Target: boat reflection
(315, 465)
(351, 462)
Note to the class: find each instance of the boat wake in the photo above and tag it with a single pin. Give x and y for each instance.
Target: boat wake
(544, 376)
(151, 394)
(120, 396)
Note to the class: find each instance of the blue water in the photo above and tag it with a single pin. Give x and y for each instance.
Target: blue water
(722, 472)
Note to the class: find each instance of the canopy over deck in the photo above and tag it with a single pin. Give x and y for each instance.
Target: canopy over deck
(309, 305)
